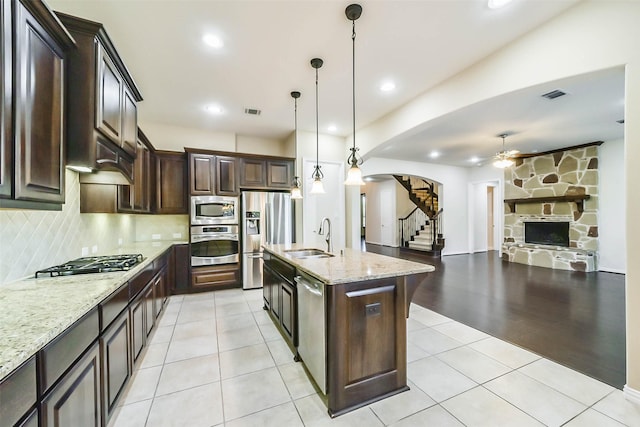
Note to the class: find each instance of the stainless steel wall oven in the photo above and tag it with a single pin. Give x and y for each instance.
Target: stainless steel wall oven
(214, 244)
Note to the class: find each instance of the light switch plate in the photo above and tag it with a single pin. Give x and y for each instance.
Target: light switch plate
(85, 251)
(177, 235)
(94, 249)
(156, 236)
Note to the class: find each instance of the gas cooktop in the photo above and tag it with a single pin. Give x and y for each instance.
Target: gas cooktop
(93, 264)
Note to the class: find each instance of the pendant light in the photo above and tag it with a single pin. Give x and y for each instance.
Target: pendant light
(503, 159)
(354, 176)
(317, 187)
(296, 192)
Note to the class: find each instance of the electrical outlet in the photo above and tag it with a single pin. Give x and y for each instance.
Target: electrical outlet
(156, 236)
(94, 249)
(85, 251)
(177, 235)
(120, 241)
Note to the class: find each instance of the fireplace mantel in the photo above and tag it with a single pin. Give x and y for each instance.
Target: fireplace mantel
(578, 199)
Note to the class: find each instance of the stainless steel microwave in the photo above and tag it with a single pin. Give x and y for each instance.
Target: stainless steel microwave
(206, 210)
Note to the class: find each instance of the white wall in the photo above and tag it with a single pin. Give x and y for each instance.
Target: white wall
(612, 234)
(478, 217)
(453, 198)
(175, 138)
(256, 145)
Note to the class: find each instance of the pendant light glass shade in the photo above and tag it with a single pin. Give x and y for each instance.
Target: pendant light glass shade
(354, 176)
(296, 192)
(317, 187)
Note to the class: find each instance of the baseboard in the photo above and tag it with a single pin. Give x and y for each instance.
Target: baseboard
(612, 270)
(631, 394)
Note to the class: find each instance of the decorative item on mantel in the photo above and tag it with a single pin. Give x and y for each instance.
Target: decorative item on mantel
(317, 187)
(296, 192)
(354, 176)
(503, 159)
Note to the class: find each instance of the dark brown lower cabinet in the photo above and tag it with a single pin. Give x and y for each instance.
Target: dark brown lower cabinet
(18, 394)
(289, 311)
(116, 362)
(159, 292)
(75, 400)
(280, 295)
(212, 277)
(181, 280)
(149, 318)
(138, 333)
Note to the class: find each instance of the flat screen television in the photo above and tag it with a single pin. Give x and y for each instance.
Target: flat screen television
(547, 233)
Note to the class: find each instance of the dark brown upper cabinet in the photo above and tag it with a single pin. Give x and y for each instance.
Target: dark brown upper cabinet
(33, 85)
(253, 173)
(6, 92)
(137, 197)
(226, 176)
(279, 173)
(102, 104)
(201, 174)
(171, 183)
(266, 173)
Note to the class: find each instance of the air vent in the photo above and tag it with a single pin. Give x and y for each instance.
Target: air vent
(554, 94)
(252, 111)
(621, 121)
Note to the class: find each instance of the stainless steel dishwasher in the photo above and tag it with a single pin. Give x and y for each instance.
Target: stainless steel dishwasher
(311, 328)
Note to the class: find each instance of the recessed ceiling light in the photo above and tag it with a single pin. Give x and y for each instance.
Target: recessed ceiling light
(213, 109)
(213, 41)
(434, 154)
(332, 128)
(497, 4)
(387, 86)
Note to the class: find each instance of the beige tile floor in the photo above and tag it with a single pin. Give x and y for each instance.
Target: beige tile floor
(216, 359)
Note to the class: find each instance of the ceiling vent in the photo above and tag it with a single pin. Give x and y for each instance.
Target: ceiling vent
(554, 94)
(252, 111)
(621, 121)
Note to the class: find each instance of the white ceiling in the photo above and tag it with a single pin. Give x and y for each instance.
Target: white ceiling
(268, 46)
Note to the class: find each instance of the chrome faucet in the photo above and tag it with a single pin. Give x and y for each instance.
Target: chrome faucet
(328, 235)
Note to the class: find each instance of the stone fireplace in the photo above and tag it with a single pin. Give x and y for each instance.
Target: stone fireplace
(553, 188)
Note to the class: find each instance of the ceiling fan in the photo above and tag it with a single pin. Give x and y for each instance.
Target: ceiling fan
(504, 159)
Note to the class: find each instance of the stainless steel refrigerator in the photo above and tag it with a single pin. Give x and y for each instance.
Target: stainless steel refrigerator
(267, 218)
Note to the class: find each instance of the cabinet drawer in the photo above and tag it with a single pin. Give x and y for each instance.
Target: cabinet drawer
(113, 305)
(287, 271)
(58, 355)
(18, 393)
(222, 275)
(140, 281)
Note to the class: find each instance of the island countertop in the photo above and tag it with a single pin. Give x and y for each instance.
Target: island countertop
(34, 311)
(348, 265)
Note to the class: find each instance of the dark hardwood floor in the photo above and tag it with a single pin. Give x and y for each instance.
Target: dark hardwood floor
(576, 319)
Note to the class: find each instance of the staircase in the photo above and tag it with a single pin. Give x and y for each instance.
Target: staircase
(421, 229)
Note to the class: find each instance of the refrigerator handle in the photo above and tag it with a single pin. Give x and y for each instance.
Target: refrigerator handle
(267, 226)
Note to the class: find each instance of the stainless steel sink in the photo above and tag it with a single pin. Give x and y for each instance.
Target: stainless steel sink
(308, 253)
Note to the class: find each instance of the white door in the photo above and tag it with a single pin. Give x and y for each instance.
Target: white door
(387, 220)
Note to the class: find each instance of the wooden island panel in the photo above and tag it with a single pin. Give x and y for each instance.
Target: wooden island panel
(366, 342)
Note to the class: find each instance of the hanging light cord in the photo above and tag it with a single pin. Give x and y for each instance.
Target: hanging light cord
(295, 138)
(317, 173)
(353, 158)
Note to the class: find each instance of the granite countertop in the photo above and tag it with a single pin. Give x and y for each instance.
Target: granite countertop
(349, 266)
(34, 311)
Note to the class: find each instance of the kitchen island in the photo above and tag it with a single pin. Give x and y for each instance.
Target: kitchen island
(358, 322)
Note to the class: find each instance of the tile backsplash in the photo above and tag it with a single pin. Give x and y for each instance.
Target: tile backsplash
(33, 240)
